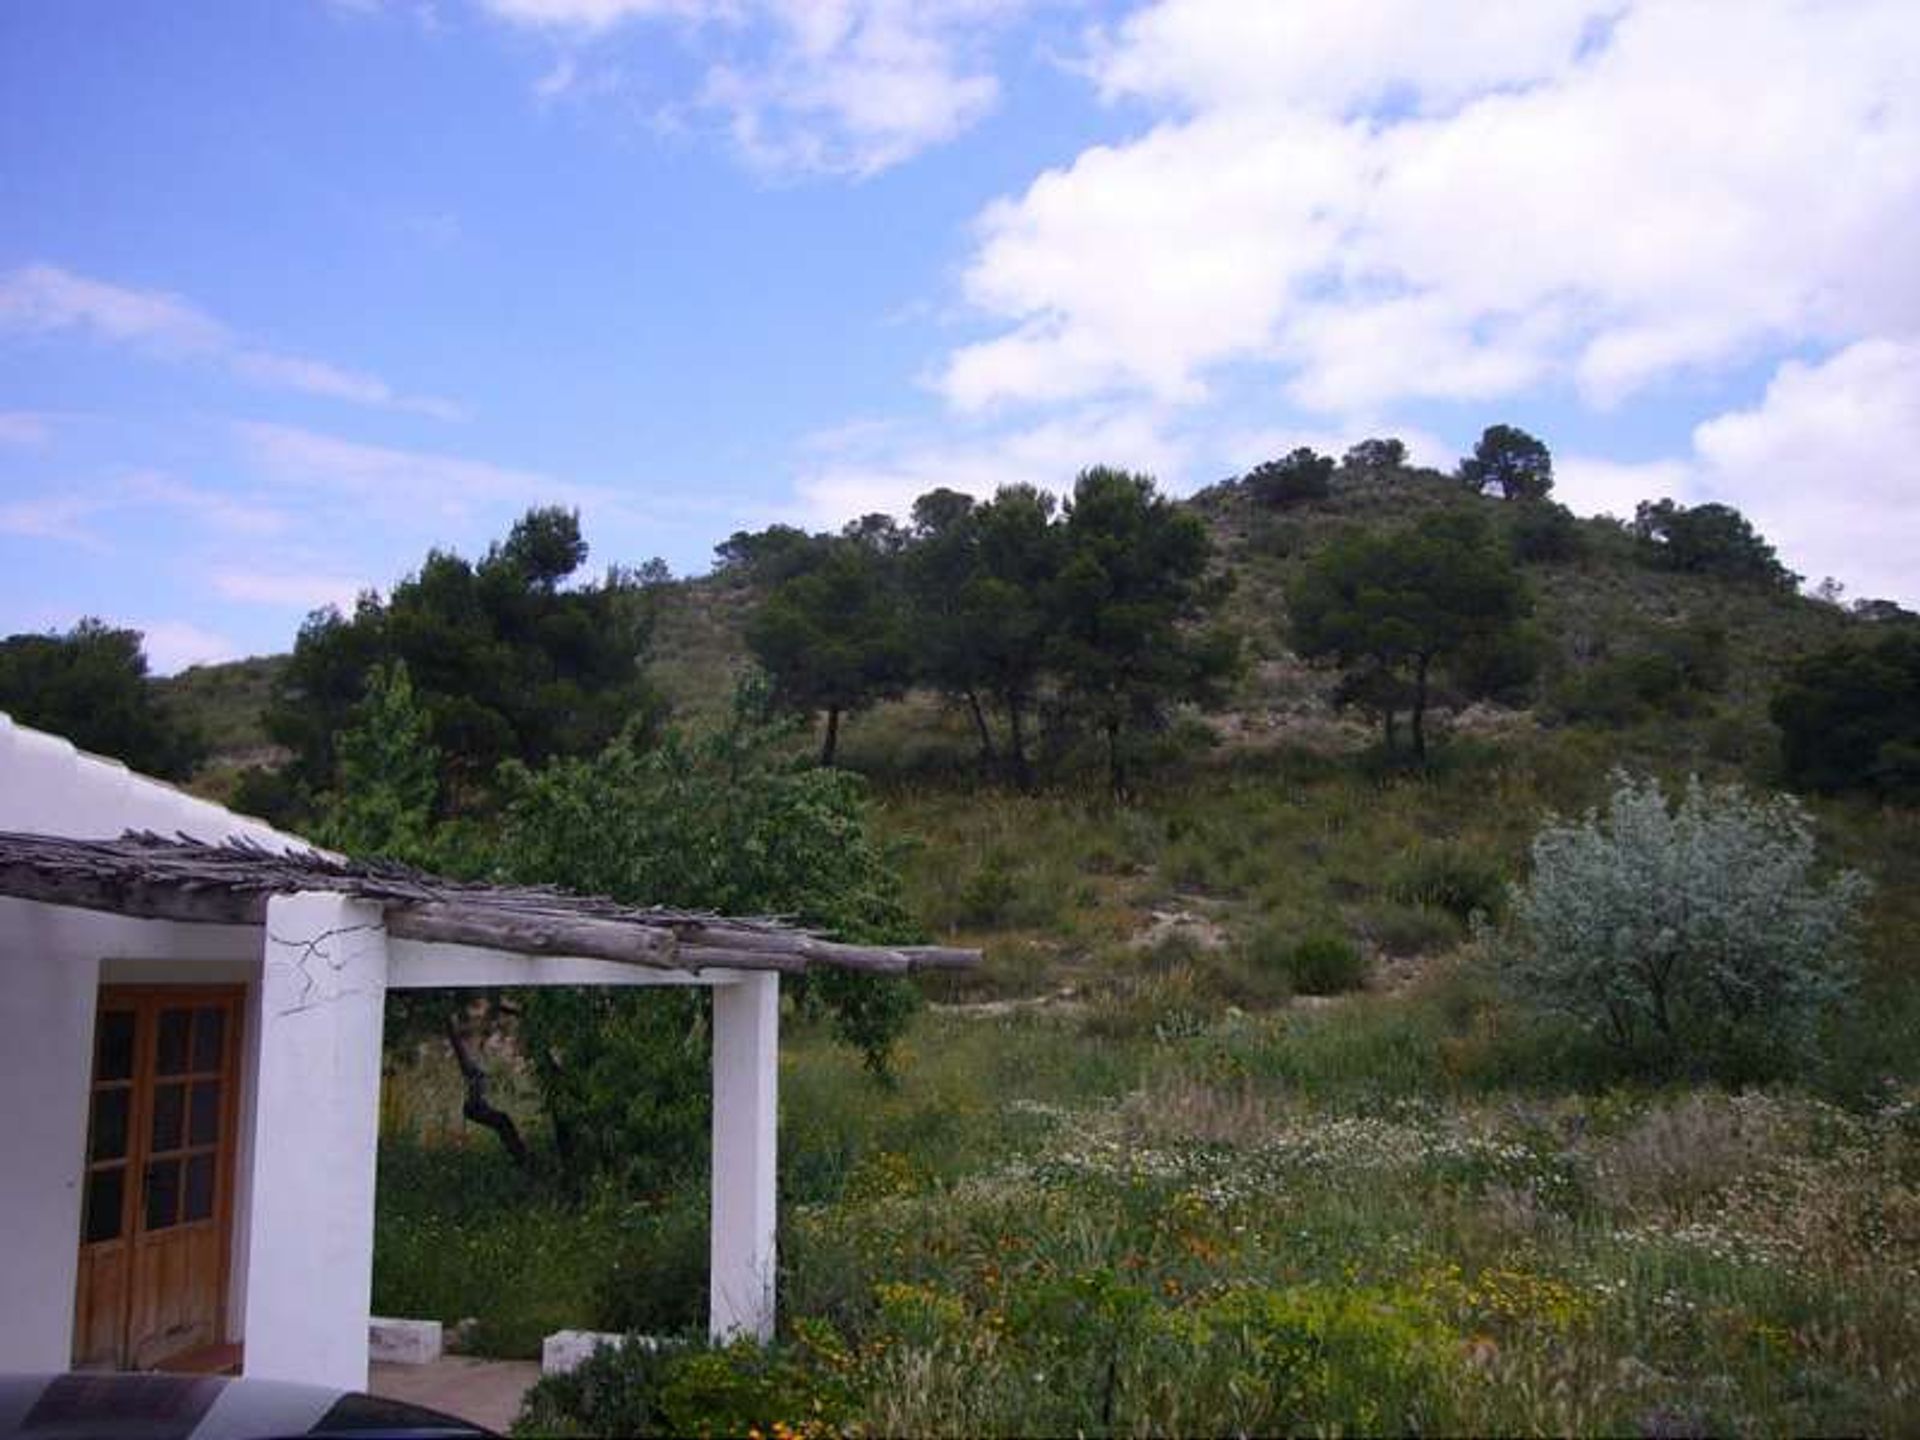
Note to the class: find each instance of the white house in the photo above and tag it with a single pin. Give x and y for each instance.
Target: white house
(190, 1029)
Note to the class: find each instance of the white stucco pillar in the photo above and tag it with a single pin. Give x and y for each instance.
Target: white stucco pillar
(47, 1002)
(746, 1075)
(309, 1244)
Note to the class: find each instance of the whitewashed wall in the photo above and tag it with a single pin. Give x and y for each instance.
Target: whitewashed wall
(309, 1256)
(316, 975)
(51, 967)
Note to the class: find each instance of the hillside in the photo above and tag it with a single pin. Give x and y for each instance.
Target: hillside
(1257, 830)
(225, 702)
(1234, 1083)
(1604, 604)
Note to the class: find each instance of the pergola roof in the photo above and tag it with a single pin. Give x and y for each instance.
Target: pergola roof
(151, 877)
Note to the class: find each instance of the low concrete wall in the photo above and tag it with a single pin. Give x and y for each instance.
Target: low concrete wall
(403, 1342)
(565, 1350)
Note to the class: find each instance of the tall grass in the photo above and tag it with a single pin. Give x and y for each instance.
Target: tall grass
(1124, 1184)
(459, 1235)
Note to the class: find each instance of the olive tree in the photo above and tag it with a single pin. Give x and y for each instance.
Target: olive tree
(1699, 928)
(724, 820)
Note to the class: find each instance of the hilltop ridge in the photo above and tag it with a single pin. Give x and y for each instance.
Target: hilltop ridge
(1602, 606)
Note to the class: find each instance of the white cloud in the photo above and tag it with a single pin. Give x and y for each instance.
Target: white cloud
(65, 514)
(558, 80)
(24, 428)
(289, 589)
(218, 509)
(412, 483)
(54, 517)
(591, 14)
(316, 377)
(173, 645)
(1248, 448)
(1206, 54)
(836, 86)
(41, 299)
(46, 299)
(1139, 266)
(1591, 485)
(1385, 200)
(858, 86)
(886, 469)
(1826, 465)
(424, 13)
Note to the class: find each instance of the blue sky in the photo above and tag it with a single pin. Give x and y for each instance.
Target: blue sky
(292, 291)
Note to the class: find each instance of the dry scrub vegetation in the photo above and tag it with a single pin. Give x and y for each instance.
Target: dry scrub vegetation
(1168, 1193)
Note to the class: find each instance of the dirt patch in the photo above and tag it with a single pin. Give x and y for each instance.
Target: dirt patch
(1182, 926)
(1065, 1000)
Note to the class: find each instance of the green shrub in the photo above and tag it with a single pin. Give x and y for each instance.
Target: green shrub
(1545, 534)
(1326, 964)
(1657, 670)
(1176, 948)
(722, 821)
(990, 891)
(747, 1387)
(1699, 927)
(461, 1233)
(1267, 952)
(1298, 476)
(1849, 718)
(1165, 1005)
(1308, 1358)
(1272, 536)
(1709, 539)
(1450, 878)
(655, 1278)
(615, 1391)
(1402, 929)
(1616, 692)
(683, 1387)
(1277, 961)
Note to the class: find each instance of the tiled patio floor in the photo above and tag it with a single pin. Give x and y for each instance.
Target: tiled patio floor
(485, 1392)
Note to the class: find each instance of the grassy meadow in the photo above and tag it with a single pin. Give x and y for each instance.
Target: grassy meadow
(1236, 1130)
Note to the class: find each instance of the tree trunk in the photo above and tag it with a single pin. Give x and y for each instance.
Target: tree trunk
(1389, 729)
(831, 743)
(1418, 723)
(1018, 764)
(1116, 772)
(980, 726)
(477, 1107)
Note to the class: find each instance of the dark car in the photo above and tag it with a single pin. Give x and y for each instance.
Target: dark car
(110, 1406)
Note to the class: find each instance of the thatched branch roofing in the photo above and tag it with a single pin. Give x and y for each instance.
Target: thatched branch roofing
(152, 877)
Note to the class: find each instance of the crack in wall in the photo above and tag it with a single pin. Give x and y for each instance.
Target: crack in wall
(319, 948)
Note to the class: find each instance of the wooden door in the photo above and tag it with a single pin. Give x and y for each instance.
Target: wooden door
(155, 1215)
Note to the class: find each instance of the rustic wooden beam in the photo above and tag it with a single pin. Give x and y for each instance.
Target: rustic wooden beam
(939, 957)
(891, 958)
(542, 934)
(153, 878)
(134, 896)
(721, 957)
(833, 952)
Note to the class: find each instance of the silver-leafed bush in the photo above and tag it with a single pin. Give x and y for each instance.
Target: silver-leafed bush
(1698, 929)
